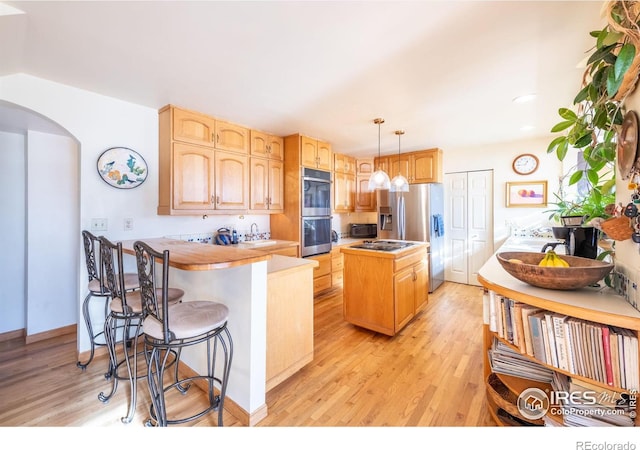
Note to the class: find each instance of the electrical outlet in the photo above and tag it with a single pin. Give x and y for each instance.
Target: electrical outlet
(98, 224)
(128, 224)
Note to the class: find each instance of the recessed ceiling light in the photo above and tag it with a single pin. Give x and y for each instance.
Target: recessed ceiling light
(527, 128)
(524, 98)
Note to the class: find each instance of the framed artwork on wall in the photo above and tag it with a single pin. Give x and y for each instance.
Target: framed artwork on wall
(122, 168)
(531, 194)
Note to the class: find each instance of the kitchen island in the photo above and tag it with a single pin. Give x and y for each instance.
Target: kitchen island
(385, 288)
(238, 278)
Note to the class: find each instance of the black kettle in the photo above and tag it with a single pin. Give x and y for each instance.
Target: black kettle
(334, 236)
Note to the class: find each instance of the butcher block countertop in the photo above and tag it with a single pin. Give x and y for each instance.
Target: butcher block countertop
(196, 256)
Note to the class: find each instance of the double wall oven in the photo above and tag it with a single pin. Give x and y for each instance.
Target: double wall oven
(316, 211)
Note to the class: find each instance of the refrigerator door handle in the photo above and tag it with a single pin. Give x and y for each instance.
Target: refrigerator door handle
(401, 218)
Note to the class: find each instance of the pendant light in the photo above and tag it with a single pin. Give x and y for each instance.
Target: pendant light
(379, 179)
(399, 183)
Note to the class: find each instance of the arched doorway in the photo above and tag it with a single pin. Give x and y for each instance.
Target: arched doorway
(39, 224)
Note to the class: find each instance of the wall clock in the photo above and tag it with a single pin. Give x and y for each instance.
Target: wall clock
(525, 164)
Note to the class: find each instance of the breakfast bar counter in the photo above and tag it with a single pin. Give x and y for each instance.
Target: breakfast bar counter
(236, 277)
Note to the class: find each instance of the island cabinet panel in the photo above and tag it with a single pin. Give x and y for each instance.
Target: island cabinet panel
(289, 323)
(384, 291)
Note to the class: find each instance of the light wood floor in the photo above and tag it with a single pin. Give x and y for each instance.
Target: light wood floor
(428, 375)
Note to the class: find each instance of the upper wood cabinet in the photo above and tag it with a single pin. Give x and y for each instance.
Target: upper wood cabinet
(267, 185)
(315, 154)
(203, 164)
(343, 192)
(365, 166)
(365, 200)
(344, 163)
(266, 145)
(231, 181)
(424, 166)
(196, 128)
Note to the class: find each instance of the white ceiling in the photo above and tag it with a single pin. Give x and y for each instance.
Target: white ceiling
(444, 71)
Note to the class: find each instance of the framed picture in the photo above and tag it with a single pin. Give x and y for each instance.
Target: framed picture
(122, 168)
(531, 194)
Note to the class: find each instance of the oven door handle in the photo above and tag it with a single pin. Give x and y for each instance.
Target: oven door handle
(320, 180)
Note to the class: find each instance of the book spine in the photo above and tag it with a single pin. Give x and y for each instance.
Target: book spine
(536, 337)
(569, 347)
(558, 330)
(606, 347)
(551, 334)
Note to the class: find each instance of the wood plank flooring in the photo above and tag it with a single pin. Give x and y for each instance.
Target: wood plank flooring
(430, 374)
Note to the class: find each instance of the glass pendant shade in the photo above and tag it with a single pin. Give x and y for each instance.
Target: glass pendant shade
(379, 179)
(399, 183)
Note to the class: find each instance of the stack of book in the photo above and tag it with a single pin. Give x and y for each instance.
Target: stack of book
(596, 351)
(503, 359)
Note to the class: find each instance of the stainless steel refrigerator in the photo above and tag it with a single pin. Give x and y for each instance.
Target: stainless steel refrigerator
(417, 215)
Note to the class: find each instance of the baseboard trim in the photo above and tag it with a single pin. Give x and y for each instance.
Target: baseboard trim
(10, 335)
(245, 418)
(69, 329)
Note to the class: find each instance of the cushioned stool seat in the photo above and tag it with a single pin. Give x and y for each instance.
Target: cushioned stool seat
(169, 328)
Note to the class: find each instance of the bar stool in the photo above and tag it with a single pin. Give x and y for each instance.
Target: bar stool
(125, 316)
(170, 328)
(98, 290)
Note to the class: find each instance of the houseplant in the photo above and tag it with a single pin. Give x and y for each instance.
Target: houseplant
(611, 74)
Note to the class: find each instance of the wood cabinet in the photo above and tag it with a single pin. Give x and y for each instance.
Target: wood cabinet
(423, 166)
(344, 186)
(344, 163)
(300, 151)
(426, 167)
(337, 267)
(321, 273)
(383, 291)
(204, 167)
(289, 321)
(267, 185)
(266, 145)
(196, 128)
(365, 200)
(315, 154)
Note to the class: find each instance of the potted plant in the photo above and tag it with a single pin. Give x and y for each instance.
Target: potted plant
(611, 74)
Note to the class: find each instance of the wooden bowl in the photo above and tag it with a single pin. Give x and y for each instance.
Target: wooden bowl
(581, 272)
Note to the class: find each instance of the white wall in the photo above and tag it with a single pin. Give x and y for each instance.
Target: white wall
(12, 231)
(499, 157)
(52, 231)
(98, 123)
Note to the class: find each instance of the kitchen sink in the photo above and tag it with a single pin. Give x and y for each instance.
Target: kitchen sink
(259, 243)
(383, 246)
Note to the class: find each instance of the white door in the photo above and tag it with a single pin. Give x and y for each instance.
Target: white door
(469, 225)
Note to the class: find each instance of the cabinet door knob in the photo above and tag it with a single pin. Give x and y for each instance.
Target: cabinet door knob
(212, 200)
(217, 199)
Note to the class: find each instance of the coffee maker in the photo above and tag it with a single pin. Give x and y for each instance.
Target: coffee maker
(577, 240)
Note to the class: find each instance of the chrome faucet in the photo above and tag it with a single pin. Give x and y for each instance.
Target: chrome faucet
(252, 234)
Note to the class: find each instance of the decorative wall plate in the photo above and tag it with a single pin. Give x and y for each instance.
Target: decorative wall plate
(627, 151)
(122, 167)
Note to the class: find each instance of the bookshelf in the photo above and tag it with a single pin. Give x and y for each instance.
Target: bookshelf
(574, 363)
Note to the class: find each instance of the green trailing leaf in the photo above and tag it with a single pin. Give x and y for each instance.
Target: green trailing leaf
(561, 126)
(562, 150)
(577, 176)
(610, 37)
(583, 140)
(557, 141)
(600, 53)
(592, 176)
(624, 60)
(567, 114)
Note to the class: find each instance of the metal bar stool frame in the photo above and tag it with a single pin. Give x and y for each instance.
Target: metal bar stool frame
(158, 348)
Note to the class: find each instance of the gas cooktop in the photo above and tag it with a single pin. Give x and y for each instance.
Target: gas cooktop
(383, 246)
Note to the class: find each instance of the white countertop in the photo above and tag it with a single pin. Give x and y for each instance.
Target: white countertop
(603, 299)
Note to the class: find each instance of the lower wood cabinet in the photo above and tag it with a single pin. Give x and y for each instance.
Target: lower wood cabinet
(382, 292)
(321, 273)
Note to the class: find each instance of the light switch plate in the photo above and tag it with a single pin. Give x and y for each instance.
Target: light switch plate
(98, 224)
